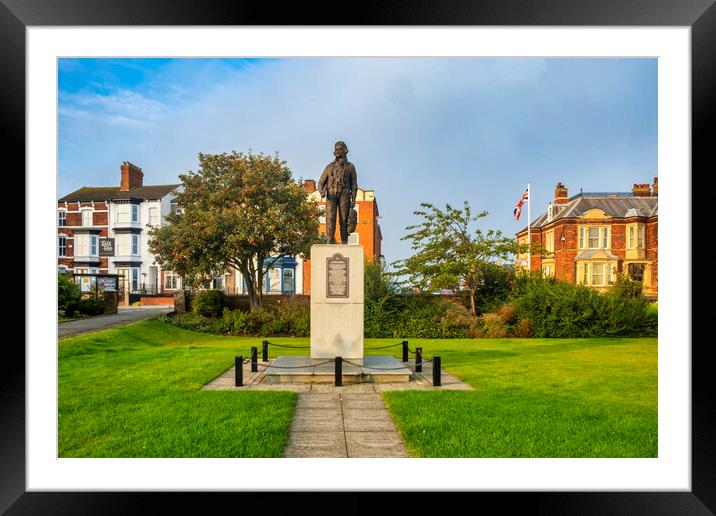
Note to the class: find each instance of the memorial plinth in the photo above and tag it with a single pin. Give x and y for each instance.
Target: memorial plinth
(337, 301)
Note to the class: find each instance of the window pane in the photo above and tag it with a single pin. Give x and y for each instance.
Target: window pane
(631, 237)
(62, 220)
(598, 274)
(593, 238)
(135, 244)
(93, 243)
(585, 274)
(135, 213)
(86, 218)
(581, 238)
(605, 244)
(641, 236)
(63, 246)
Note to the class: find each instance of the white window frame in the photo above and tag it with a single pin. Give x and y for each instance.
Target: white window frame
(62, 218)
(135, 278)
(123, 213)
(274, 282)
(124, 244)
(598, 238)
(597, 266)
(291, 275)
(581, 237)
(134, 244)
(171, 281)
(84, 213)
(134, 210)
(153, 216)
(94, 245)
(82, 244)
(62, 248)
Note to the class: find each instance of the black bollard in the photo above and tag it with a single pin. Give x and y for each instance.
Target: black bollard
(264, 351)
(405, 351)
(436, 372)
(418, 360)
(254, 359)
(239, 366)
(339, 371)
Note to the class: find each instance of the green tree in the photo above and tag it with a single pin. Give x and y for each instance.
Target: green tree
(239, 210)
(449, 253)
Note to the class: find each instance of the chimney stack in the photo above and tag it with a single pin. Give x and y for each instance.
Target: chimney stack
(561, 195)
(309, 185)
(641, 190)
(131, 175)
(655, 189)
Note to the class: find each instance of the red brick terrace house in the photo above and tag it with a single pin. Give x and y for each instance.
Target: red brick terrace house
(592, 236)
(104, 230)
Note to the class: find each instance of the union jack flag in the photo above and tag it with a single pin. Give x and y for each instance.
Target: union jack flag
(518, 209)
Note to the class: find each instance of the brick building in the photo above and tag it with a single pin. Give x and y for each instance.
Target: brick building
(105, 230)
(292, 275)
(589, 237)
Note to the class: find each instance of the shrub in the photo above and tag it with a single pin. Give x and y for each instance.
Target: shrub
(196, 322)
(494, 326)
(496, 284)
(523, 329)
(561, 310)
(292, 317)
(91, 306)
(209, 303)
(458, 320)
(68, 295)
(508, 313)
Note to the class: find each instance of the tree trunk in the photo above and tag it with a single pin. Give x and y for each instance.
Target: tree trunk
(250, 279)
(473, 309)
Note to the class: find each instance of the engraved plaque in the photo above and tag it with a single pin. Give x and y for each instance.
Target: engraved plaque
(337, 276)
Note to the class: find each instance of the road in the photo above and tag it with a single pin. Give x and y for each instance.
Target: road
(125, 315)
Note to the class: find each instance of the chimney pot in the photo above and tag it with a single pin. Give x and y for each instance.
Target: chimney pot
(131, 176)
(309, 185)
(655, 188)
(641, 190)
(561, 194)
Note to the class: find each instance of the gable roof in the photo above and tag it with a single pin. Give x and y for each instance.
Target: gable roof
(107, 193)
(613, 205)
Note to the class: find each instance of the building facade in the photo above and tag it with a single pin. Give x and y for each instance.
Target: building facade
(590, 237)
(292, 274)
(105, 230)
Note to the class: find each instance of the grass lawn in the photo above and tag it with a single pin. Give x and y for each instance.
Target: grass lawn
(536, 398)
(133, 391)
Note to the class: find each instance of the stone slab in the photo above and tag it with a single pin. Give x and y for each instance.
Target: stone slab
(316, 444)
(302, 369)
(337, 322)
(375, 444)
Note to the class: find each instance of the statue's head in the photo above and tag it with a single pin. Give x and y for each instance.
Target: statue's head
(340, 150)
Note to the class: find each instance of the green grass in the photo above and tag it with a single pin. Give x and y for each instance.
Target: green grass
(536, 398)
(133, 391)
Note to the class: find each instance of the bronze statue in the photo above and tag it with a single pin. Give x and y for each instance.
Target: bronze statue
(338, 184)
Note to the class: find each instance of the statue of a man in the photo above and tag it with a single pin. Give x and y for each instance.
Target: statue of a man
(338, 184)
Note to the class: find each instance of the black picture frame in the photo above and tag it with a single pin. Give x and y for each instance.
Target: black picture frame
(700, 15)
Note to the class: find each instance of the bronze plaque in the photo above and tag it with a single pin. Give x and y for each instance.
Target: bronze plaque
(337, 276)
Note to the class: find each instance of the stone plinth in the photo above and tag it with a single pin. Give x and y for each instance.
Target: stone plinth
(337, 301)
(373, 369)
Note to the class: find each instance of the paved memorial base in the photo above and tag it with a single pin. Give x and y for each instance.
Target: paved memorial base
(257, 381)
(371, 369)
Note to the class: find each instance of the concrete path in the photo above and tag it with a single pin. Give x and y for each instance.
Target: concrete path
(125, 315)
(347, 421)
(343, 424)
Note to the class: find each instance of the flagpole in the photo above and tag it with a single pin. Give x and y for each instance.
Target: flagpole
(529, 223)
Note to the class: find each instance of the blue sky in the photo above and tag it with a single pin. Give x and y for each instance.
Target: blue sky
(440, 130)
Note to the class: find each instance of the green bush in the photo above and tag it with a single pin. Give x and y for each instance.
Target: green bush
(68, 295)
(561, 310)
(209, 303)
(91, 306)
